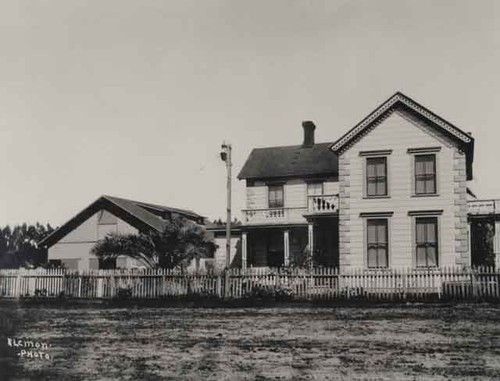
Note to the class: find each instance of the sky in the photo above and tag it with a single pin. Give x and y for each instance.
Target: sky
(134, 98)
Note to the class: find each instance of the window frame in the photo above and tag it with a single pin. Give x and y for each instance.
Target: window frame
(386, 177)
(376, 216)
(433, 214)
(425, 176)
(269, 186)
(414, 152)
(376, 154)
(310, 183)
(384, 221)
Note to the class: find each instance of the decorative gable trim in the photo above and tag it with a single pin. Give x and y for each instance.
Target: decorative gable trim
(346, 141)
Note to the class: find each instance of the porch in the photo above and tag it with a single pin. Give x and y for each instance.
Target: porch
(315, 242)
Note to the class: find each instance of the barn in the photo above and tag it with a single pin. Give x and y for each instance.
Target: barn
(71, 244)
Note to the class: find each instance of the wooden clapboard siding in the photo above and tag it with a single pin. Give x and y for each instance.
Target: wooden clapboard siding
(257, 195)
(331, 186)
(220, 252)
(295, 196)
(295, 193)
(78, 243)
(400, 132)
(87, 231)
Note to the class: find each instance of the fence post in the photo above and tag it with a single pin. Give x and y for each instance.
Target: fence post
(218, 286)
(226, 283)
(99, 285)
(18, 284)
(79, 285)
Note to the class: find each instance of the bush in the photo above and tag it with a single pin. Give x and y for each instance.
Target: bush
(40, 293)
(124, 293)
(269, 292)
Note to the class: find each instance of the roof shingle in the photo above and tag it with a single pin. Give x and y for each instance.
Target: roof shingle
(141, 215)
(290, 161)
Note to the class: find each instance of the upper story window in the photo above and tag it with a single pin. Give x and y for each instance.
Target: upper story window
(376, 176)
(426, 242)
(276, 196)
(315, 189)
(425, 174)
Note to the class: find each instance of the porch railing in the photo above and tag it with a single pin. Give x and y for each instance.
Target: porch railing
(323, 204)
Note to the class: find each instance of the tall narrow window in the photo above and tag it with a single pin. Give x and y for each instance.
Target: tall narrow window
(377, 243)
(425, 174)
(426, 241)
(376, 176)
(276, 199)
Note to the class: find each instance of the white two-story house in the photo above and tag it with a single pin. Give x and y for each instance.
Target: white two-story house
(403, 175)
(390, 193)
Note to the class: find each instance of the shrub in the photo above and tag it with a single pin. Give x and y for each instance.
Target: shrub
(269, 292)
(40, 293)
(124, 293)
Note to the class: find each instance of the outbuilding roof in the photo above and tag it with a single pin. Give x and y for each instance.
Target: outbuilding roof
(290, 161)
(141, 215)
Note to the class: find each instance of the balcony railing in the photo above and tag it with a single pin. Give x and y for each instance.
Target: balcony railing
(274, 215)
(483, 207)
(323, 204)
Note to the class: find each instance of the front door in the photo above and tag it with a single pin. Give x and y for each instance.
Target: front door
(326, 242)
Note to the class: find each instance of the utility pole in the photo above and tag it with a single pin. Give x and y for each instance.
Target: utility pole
(226, 157)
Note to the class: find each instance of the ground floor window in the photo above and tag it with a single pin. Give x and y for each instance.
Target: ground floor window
(377, 243)
(426, 234)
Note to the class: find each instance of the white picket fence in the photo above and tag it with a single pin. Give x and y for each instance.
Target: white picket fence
(319, 283)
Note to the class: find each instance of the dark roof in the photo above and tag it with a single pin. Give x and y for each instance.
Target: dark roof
(290, 161)
(143, 216)
(143, 209)
(401, 101)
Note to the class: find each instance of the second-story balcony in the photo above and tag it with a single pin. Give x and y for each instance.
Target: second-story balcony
(316, 205)
(323, 204)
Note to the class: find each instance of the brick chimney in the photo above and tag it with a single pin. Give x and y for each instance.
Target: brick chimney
(309, 128)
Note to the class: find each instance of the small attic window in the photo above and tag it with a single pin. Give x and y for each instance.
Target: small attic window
(106, 218)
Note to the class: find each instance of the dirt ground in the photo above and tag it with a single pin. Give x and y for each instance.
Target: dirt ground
(407, 342)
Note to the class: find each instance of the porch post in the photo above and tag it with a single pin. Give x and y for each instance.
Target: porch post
(310, 236)
(286, 245)
(469, 243)
(496, 243)
(244, 250)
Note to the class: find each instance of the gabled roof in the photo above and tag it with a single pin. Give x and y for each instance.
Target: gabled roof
(290, 161)
(143, 216)
(399, 100)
